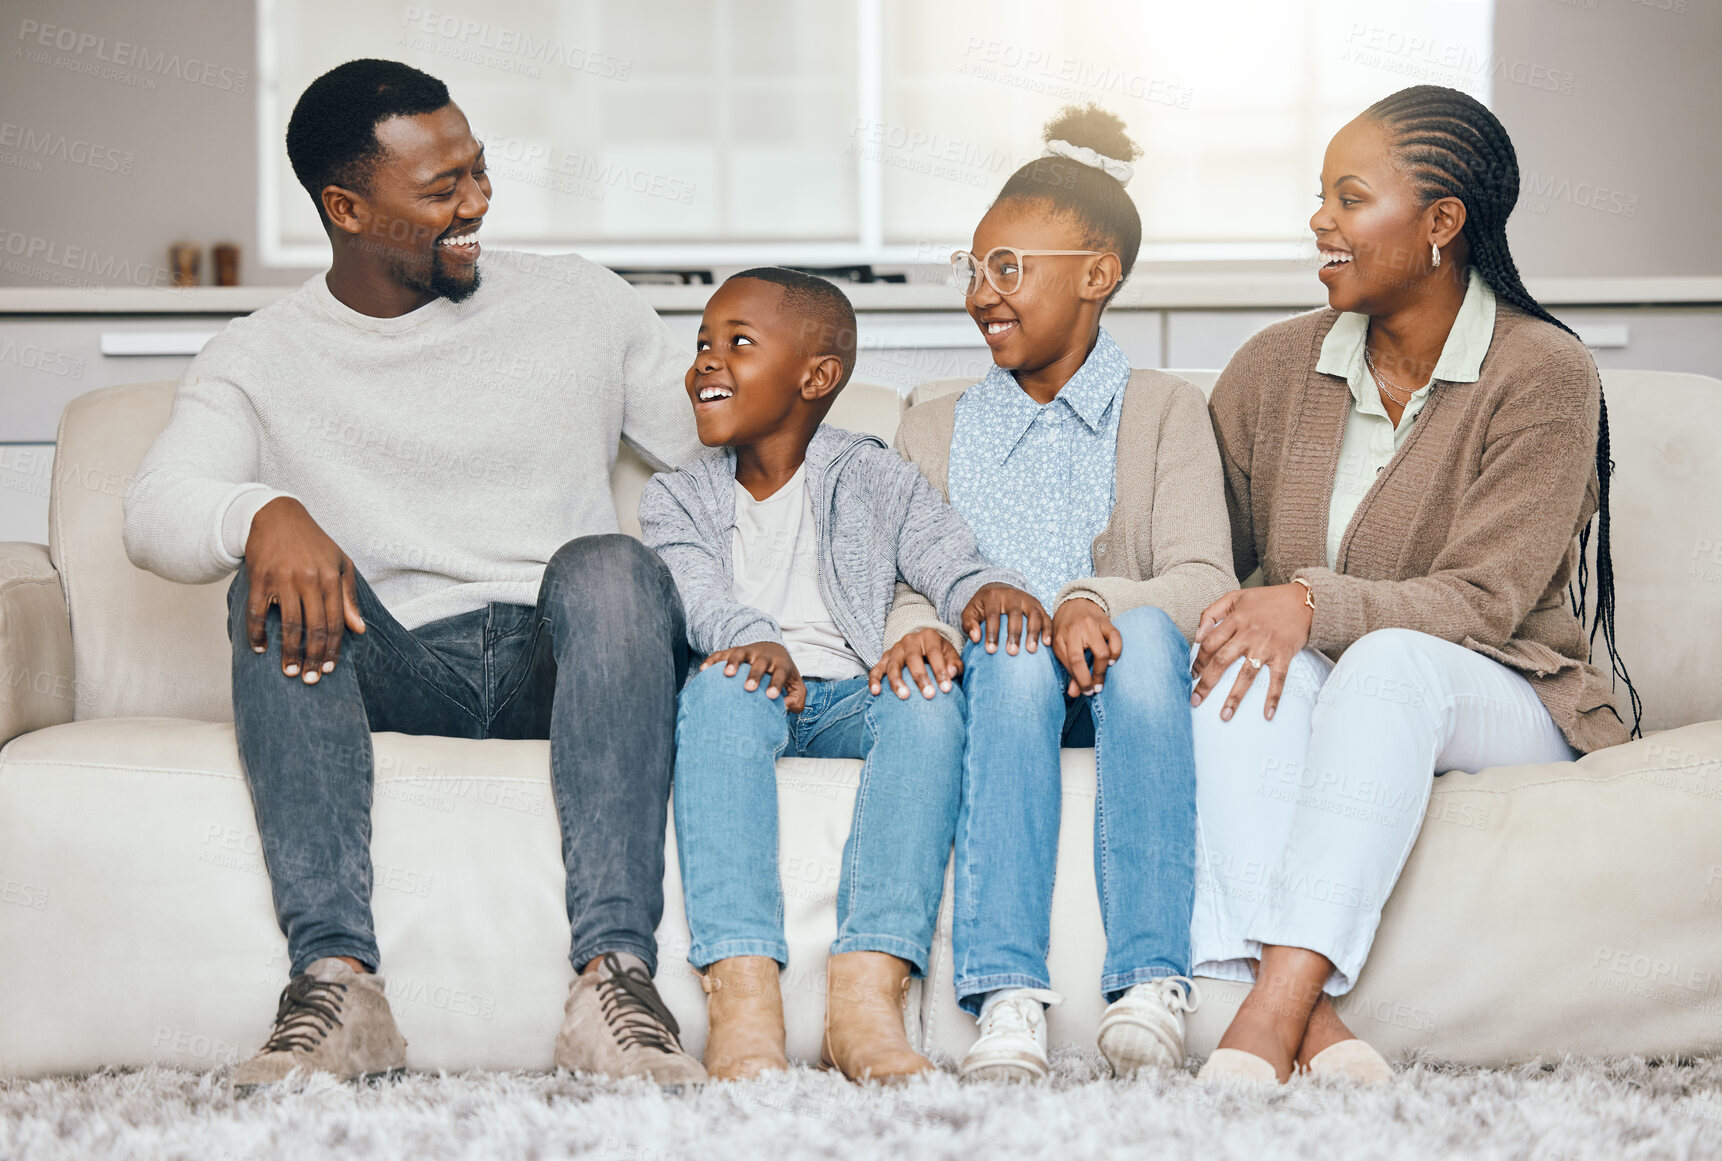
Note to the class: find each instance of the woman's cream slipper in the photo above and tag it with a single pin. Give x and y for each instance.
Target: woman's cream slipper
(1354, 1060)
(1236, 1064)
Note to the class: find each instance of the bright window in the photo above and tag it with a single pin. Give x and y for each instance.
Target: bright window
(672, 132)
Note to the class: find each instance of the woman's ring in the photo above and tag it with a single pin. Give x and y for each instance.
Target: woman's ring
(1254, 664)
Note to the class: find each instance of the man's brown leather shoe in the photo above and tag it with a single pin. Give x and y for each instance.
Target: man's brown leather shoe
(616, 1024)
(744, 1005)
(330, 1019)
(865, 995)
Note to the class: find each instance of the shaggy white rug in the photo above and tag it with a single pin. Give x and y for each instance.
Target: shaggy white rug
(1574, 1110)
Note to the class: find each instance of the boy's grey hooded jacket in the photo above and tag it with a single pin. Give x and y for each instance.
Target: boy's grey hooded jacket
(876, 519)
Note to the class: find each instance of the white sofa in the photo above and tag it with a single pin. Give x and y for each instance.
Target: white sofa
(1545, 910)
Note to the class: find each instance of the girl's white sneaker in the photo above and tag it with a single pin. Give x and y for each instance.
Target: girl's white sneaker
(1144, 1028)
(1013, 1037)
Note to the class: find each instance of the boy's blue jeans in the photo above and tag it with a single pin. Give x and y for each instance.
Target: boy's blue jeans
(728, 740)
(1144, 812)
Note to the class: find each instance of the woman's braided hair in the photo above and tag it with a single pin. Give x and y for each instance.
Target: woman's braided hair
(1453, 146)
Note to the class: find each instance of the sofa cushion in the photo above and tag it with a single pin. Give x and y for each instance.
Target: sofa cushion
(1569, 908)
(140, 644)
(1574, 907)
(39, 688)
(136, 923)
(1666, 525)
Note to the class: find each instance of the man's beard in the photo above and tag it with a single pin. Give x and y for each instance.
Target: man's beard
(439, 281)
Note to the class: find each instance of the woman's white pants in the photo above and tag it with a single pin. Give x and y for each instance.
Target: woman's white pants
(1305, 821)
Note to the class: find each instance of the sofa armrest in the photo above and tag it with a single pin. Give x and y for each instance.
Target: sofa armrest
(36, 684)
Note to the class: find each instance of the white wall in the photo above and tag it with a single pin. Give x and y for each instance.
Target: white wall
(178, 156)
(1620, 176)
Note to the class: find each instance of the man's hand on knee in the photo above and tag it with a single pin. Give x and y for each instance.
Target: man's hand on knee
(292, 563)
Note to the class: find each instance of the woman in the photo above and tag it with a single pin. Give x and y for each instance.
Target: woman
(1414, 471)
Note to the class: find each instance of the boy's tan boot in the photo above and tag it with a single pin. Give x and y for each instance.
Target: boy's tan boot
(330, 1019)
(744, 1004)
(865, 994)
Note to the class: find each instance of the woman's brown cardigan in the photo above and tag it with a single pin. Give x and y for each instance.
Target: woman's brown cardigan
(1470, 532)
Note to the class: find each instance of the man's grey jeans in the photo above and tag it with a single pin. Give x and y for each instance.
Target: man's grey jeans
(594, 667)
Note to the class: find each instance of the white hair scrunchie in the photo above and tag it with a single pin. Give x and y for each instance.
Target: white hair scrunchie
(1119, 171)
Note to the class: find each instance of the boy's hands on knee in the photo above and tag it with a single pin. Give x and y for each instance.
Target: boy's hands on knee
(1025, 618)
(1080, 630)
(927, 655)
(766, 661)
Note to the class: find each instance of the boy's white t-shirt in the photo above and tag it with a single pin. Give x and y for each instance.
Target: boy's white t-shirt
(776, 563)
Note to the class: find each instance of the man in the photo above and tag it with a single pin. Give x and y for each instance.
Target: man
(408, 464)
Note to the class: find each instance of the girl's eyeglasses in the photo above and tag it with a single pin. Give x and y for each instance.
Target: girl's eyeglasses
(1002, 267)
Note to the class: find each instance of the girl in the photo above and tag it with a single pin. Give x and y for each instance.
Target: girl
(1102, 486)
(1414, 470)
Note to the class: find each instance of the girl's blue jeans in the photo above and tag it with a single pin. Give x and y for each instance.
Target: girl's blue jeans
(1144, 811)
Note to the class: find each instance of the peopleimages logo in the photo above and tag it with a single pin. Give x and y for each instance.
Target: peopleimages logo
(581, 174)
(1539, 191)
(89, 48)
(34, 357)
(1067, 78)
(47, 258)
(59, 147)
(1427, 58)
(483, 43)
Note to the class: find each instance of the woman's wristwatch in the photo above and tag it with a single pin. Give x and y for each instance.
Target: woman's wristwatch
(1308, 593)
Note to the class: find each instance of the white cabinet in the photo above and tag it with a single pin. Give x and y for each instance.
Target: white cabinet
(1207, 339)
(1662, 338)
(45, 362)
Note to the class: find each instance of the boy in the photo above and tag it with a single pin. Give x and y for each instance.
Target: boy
(786, 547)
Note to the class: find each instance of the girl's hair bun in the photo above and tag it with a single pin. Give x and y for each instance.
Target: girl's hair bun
(1094, 128)
(1094, 196)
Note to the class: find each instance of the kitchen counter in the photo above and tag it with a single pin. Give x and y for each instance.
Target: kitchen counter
(1294, 289)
